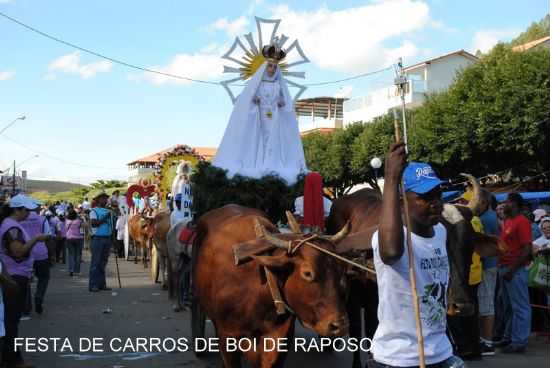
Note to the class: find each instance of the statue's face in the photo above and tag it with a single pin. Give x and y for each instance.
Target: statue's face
(271, 69)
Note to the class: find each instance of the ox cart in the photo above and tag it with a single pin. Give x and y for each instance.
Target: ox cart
(182, 256)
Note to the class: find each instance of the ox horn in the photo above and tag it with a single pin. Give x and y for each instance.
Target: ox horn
(261, 232)
(293, 223)
(475, 203)
(340, 235)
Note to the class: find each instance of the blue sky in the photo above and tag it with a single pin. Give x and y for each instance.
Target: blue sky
(85, 110)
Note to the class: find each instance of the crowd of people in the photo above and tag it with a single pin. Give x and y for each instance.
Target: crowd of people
(506, 284)
(504, 292)
(34, 238)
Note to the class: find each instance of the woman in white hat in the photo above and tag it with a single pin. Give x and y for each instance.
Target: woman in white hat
(15, 253)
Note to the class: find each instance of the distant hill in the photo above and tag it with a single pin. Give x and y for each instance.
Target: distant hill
(51, 186)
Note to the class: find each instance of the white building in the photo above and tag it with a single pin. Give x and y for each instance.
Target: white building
(319, 114)
(430, 76)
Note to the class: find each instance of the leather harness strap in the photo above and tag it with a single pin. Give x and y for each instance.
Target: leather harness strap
(280, 305)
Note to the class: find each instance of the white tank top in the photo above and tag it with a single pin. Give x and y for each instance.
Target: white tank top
(395, 341)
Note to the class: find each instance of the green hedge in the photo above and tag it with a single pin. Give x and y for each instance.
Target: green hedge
(213, 189)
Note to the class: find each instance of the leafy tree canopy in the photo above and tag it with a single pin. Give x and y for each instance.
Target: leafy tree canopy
(535, 31)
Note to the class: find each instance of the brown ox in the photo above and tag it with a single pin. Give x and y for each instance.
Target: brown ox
(140, 229)
(161, 226)
(362, 209)
(237, 298)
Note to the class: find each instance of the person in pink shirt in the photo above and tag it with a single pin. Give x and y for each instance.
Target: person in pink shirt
(15, 253)
(34, 225)
(75, 240)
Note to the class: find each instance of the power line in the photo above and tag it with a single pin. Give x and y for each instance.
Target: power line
(97, 54)
(45, 154)
(349, 78)
(144, 69)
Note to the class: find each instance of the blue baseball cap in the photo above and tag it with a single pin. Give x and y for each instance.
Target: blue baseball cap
(420, 178)
(177, 197)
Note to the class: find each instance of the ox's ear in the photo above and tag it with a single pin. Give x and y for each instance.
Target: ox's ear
(275, 262)
(488, 245)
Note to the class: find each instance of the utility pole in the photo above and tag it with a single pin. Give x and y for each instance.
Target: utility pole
(401, 83)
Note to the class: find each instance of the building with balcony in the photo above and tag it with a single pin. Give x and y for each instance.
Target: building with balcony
(430, 76)
(145, 167)
(319, 114)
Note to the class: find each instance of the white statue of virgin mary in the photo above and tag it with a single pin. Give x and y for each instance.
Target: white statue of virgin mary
(262, 137)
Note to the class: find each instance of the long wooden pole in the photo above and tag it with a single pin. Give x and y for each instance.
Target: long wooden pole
(412, 273)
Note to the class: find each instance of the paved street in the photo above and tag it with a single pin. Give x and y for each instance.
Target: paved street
(141, 309)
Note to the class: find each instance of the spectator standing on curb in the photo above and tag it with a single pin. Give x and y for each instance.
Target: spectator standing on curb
(102, 228)
(61, 237)
(513, 277)
(35, 225)
(538, 214)
(75, 241)
(120, 226)
(487, 288)
(15, 254)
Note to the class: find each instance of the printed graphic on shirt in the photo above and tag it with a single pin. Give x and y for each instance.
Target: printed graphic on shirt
(543, 275)
(433, 298)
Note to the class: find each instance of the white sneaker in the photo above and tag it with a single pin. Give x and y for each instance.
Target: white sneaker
(25, 318)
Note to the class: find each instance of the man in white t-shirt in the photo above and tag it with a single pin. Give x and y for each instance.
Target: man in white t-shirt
(86, 204)
(178, 215)
(299, 206)
(395, 341)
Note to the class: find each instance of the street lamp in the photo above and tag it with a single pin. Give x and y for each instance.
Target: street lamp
(27, 160)
(21, 163)
(376, 163)
(13, 122)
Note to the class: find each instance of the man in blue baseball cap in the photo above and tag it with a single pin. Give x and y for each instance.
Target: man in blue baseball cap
(395, 341)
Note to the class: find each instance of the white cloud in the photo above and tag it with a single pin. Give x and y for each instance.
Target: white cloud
(440, 26)
(355, 39)
(204, 66)
(485, 39)
(352, 40)
(5, 75)
(71, 64)
(252, 6)
(233, 28)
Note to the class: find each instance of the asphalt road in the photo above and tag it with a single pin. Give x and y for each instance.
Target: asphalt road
(142, 310)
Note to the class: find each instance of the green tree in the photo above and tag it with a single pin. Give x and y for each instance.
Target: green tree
(495, 116)
(99, 184)
(535, 31)
(374, 141)
(331, 155)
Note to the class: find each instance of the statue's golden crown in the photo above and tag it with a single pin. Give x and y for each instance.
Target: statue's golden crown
(273, 52)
